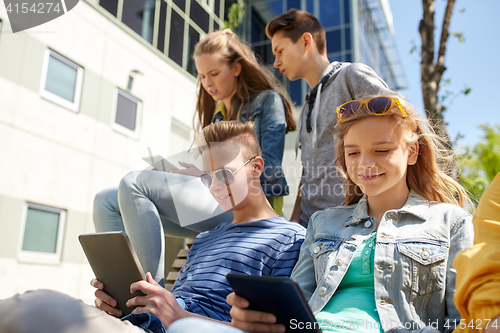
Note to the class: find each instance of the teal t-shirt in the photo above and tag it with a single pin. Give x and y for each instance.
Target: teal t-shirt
(352, 307)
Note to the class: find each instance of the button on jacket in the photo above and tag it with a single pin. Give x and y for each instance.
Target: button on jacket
(268, 114)
(413, 273)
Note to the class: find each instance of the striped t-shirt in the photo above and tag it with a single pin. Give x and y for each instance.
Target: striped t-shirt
(264, 248)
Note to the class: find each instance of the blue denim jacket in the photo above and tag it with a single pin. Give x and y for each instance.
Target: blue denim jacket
(415, 247)
(268, 114)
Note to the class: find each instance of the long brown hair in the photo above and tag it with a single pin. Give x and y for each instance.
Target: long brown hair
(252, 80)
(427, 176)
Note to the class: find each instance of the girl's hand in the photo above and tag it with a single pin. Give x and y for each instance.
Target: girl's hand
(103, 301)
(158, 301)
(189, 170)
(250, 320)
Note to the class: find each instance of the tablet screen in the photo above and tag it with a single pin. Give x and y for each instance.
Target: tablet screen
(114, 263)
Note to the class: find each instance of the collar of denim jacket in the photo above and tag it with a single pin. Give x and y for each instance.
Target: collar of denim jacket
(415, 205)
(360, 212)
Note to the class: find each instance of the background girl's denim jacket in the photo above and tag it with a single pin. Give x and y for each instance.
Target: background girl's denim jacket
(268, 114)
(414, 276)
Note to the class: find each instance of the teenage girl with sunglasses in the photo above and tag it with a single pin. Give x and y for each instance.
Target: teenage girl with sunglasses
(232, 86)
(382, 260)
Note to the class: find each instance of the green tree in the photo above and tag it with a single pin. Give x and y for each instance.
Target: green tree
(234, 16)
(480, 164)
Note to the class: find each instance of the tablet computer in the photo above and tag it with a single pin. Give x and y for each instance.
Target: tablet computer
(115, 264)
(279, 296)
(159, 163)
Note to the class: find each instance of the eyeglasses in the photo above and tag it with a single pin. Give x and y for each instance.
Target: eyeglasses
(377, 106)
(225, 176)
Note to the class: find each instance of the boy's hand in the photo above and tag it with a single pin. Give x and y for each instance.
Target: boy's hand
(158, 301)
(103, 301)
(250, 320)
(190, 170)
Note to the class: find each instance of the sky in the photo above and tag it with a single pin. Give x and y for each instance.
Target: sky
(473, 63)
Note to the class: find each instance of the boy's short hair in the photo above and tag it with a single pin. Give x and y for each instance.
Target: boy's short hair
(294, 24)
(236, 132)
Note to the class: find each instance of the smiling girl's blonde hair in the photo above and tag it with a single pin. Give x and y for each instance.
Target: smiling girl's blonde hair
(427, 176)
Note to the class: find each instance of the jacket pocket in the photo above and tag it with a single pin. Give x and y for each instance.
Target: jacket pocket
(424, 266)
(323, 253)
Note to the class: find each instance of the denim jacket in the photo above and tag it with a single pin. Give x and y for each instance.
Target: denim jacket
(413, 273)
(268, 114)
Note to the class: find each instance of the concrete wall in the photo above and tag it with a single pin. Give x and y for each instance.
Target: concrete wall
(56, 157)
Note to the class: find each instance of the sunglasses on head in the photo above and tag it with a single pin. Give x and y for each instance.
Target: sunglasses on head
(377, 106)
(225, 176)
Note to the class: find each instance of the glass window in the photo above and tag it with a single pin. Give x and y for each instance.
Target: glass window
(139, 16)
(160, 44)
(293, 4)
(181, 4)
(347, 12)
(217, 8)
(334, 41)
(258, 28)
(310, 6)
(110, 5)
(199, 15)
(347, 33)
(61, 80)
(194, 38)
(329, 13)
(276, 6)
(176, 38)
(41, 234)
(296, 92)
(126, 114)
(335, 58)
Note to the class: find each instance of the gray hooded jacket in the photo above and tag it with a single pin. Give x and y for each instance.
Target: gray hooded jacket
(321, 182)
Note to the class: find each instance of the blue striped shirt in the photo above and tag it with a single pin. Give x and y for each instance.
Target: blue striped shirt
(264, 248)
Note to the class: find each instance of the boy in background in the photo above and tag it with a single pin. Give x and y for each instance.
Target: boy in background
(299, 47)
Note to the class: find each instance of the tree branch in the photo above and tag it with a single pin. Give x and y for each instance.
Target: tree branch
(444, 39)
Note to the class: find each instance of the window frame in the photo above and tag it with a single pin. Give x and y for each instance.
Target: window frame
(120, 128)
(42, 257)
(73, 106)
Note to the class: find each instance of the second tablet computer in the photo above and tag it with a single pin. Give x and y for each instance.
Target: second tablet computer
(279, 296)
(115, 264)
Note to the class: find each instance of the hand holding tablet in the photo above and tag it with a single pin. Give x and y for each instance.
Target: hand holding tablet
(279, 296)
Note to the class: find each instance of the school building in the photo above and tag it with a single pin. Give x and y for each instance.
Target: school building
(85, 96)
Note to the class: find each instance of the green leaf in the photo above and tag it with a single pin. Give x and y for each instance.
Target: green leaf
(459, 35)
(480, 163)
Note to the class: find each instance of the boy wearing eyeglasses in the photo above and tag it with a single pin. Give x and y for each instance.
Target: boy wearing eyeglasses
(256, 242)
(299, 47)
